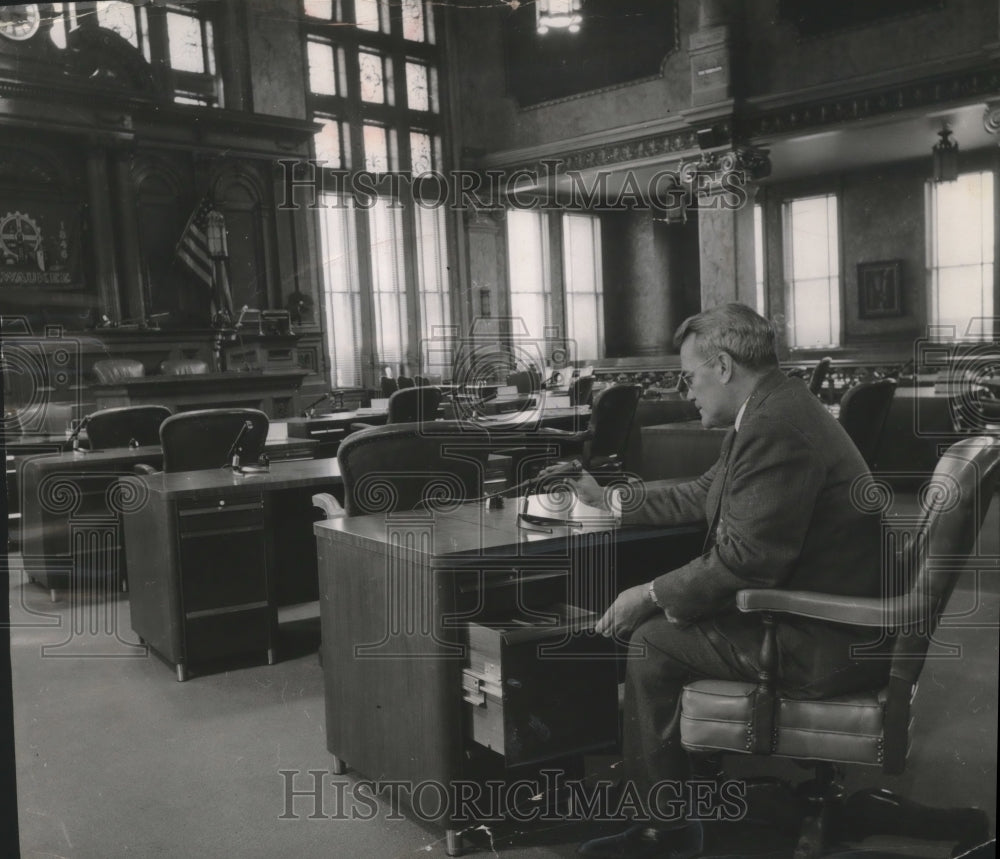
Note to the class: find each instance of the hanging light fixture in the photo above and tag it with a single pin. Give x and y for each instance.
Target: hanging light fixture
(945, 155)
(558, 14)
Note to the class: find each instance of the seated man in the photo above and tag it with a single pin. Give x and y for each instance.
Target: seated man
(779, 511)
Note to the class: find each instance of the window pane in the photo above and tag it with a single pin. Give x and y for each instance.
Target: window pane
(342, 291)
(322, 69)
(328, 147)
(527, 259)
(376, 84)
(319, 9)
(186, 49)
(758, 256)
(376, 149)
(371, 15)
(432, 278)
(582, 270)
(421, 157)
(962, 251)
(417, 95)
(119, 17)
(811, 231)
(385, 230)
(813, 266)
(413, 20)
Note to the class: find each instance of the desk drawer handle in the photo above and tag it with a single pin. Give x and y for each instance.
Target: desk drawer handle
(221, 532)
(475, 688)
(509, 580)
(232, 508)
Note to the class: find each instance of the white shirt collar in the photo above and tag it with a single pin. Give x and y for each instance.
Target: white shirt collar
(739, 414)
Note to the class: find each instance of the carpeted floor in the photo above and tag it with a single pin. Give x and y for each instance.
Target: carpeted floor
(117, 759)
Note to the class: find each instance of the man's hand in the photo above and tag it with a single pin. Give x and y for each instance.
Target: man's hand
(629, 610)
(586, 488)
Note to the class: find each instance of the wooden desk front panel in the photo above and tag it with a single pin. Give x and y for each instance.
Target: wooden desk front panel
(396, 599)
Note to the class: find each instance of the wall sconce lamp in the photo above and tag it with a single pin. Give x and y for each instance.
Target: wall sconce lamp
(215, 235)
(945, 154)
(558, 14)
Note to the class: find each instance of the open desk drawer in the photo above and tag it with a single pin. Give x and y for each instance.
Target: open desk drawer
(536, 690)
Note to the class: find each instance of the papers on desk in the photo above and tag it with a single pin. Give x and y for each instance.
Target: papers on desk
(377, 407)
(561, 508)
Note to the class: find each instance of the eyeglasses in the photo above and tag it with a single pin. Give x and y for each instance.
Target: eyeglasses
(684, 377)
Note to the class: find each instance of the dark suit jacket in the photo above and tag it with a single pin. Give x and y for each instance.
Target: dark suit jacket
(778, 501)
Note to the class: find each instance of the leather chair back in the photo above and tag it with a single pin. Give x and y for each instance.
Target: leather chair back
(405, 382)
(388, 386)
(863, 412)
(414, 404)
(202, 439)
(611, 419)
(408, 466)
(581, 391)
(819, 374)
(111, 370)
(183, 367)
(126, 426)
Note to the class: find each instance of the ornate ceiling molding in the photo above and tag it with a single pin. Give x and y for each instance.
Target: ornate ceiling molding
(958, 86)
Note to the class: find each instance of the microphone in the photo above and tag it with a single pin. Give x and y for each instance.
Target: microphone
(308, 409)
(235, 450)
(73, 442)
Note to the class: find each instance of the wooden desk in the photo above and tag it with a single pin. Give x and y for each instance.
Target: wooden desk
(218, 553)
(396, 597)
(65, 494)
(271, 392)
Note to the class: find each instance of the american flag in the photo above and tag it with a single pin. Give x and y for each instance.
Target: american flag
(192, 249)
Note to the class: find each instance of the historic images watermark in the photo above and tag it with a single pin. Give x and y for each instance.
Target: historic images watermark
(711, 184)
(319, 795)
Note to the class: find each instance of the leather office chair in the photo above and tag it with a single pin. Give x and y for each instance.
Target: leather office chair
(405, 382)
(111, 370)
(421, 381)
(581, 391)
(410, 405)
(126, 426)
(183, 367)
(870, 727)
(408, 466)
(205, 438)
(388, 386)
(863, 411)
(819, 376)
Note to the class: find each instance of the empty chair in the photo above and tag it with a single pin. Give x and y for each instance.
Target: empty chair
(421, 381)
(111, 370)
(183, 367)
(405, 382)
(208, 438)
(126, 426)
(410, 405)
(388, 386)
(870, 727)
(863, 411)
(581, 391)
(407, 466)
(819, 375)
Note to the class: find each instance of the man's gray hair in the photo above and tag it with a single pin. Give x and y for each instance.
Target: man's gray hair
(735, 329)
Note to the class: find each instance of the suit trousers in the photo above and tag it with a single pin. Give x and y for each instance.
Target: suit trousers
(674, 656)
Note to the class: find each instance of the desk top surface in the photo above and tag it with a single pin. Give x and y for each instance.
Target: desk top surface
(282, 475)
(471, 533)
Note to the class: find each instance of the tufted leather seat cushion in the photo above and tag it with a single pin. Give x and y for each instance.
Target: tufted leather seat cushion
(717, 715)
(114, 370)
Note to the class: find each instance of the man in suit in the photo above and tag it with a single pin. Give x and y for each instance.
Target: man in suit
(778, 507)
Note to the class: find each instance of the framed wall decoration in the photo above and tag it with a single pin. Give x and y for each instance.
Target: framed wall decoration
(880, 289)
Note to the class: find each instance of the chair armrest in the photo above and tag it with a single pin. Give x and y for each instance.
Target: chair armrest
(142, 468)
(329, 505)
(857, 611)
(356, 427)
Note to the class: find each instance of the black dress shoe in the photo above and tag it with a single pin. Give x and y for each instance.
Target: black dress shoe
(642, 842)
